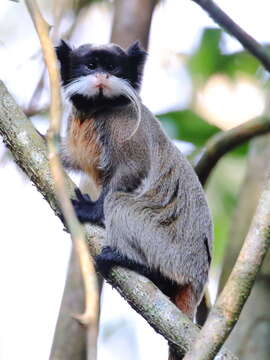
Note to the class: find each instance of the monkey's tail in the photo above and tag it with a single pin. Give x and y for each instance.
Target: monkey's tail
(186, 301)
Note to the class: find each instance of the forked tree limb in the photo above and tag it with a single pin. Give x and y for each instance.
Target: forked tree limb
(30, 153)
(248, 42)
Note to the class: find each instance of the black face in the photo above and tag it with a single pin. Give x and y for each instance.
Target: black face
(111, 59)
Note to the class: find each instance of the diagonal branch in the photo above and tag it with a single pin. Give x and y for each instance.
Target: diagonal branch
(226, 141)
(30, 153)
(226, 311)
(250, 44)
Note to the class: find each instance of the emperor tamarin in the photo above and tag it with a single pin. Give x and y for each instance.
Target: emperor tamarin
(151, 203)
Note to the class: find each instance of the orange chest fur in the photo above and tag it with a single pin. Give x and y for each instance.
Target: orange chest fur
(84, 147)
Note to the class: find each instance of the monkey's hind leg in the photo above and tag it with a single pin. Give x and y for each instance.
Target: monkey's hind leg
(110, 257)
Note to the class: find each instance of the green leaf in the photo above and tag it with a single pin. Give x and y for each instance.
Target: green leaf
(205, 61)
(208, 58)
(187, 126)
(239, 62)
(225, 181)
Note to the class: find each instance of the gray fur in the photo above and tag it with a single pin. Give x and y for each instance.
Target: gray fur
(165, 221)
(153, 225)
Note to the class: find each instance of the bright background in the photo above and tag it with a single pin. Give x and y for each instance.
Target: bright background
(192, 79)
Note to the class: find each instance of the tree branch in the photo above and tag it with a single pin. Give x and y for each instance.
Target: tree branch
(226, 141)
(138, 19)
(69, 341)
(226, 311)
(90, 316)
(132, 20)
(30, 153)
(248, 339)
(250, 44)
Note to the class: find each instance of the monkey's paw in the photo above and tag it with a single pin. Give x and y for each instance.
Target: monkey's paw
(83, 206)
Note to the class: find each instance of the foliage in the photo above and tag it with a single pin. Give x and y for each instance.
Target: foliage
(188, 126)
(208, 58)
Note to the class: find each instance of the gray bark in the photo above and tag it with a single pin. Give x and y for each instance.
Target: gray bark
(70, 337)
(250, 337)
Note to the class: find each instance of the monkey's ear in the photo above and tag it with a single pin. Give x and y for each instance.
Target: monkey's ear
(135, 49)
(136, 60)
(63, 52)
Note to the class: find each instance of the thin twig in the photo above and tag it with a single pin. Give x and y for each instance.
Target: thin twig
(226, 311)
(226, 141)
(248, 42)
(89, 317)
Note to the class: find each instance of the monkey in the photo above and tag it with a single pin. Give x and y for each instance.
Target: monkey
(150, 202)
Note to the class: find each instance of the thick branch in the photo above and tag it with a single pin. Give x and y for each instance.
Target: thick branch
(250, 44)
(29, 151)
(226, 311)
(226, 141)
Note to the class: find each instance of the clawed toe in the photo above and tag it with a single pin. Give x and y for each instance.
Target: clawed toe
(82, 205)
(106, 259)
(85, 198)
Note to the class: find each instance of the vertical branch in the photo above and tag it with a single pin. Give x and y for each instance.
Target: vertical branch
(89, 317)
(249, 340)
(70, 341)
(132, 21)
(226, 311)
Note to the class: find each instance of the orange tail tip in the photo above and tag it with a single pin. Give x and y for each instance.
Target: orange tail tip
(186, 301)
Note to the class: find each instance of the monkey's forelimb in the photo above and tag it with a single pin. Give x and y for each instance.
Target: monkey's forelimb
(88, 210)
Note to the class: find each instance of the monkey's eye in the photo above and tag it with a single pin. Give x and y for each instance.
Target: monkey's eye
(91, 66)
(111, 66)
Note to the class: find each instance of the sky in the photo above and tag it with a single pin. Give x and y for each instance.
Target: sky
(34, 250)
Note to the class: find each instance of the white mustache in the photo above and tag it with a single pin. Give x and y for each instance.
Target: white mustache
(89, 86)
